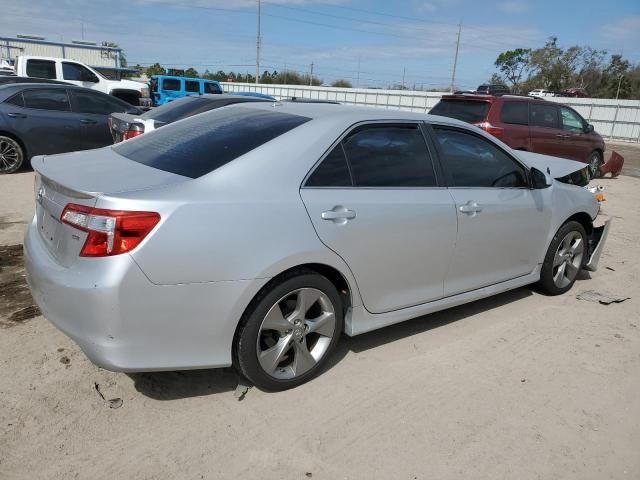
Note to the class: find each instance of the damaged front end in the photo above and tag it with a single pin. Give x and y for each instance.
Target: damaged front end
(595, 245)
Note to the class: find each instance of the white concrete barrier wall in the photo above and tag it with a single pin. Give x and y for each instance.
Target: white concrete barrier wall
(613, 119)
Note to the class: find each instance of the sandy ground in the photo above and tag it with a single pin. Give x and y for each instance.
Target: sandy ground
(519, 386)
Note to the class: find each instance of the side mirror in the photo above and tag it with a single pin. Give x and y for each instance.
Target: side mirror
(588, 128)
(539, 179)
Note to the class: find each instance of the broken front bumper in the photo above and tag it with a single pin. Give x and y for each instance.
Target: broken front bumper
(595, 245)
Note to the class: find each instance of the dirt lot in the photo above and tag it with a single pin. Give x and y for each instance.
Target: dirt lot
(519, 386)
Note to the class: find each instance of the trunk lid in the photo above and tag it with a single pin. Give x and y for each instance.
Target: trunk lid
(80, 178)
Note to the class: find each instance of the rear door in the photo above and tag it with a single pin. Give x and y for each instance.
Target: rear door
(376, 201)
(93, 110)
(502, 223)
(545, 130)
(514, 118)
(49, 125)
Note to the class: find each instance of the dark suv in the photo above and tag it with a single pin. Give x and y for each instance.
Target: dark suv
(527, 123)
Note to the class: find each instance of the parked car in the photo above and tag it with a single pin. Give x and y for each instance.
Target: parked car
(76, 73)
(530, 124)
(493, 89)
(43, 119)
(541, 92)
(7, 80)
(124, 126)
(574, 92)
(167, 88)
(255, 235)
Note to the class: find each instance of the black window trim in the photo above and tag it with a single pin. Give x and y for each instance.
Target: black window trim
(66, 90)
(440, 181)
(470, 131)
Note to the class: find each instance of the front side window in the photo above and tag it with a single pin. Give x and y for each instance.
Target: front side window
(76, 72)
(90, 102)
(543, 116)
(199, 145)
(389, 156)
(171, 84)
(47, 99)
(472, 161)
(571, 121)
(191, 86)
(41, 69)
(515, 113)
(332, 172)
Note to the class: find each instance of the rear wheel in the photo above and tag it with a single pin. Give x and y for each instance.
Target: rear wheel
(595, 162)
(289, 331)
(564, 259)
(11, 155)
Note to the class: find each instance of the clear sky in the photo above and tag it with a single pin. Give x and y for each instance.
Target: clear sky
(374, 42)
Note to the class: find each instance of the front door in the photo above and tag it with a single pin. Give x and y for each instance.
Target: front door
(376, 202)
(577, 144)
(502, 223)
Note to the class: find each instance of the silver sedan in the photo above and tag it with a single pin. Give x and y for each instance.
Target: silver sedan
(255, 235)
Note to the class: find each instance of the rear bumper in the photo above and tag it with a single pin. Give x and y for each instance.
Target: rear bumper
(596, 242)
(123, 322)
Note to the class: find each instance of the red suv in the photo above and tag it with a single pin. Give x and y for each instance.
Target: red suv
(528, 123)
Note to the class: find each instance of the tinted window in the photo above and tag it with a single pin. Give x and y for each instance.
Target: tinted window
(16, 100)
(182, 108)
(515, 112)
(199, 145)
(41, 68)
(47, 99)
(171, 84)
(332, 172)
(543, 115)
(191, 86)
(571, 120)
(90, 102)
(466, 110)
(73, 71)
(472, 161)
(211, 88)
(389, 156)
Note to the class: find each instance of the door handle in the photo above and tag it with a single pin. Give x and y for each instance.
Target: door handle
(559, 135)
(16, 115)
(470, 208)
(87, 121)
(339, 215)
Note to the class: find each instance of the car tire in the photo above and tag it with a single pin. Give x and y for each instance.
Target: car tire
(289, 331)
(595, 161)
(565, 257)
(11, 155)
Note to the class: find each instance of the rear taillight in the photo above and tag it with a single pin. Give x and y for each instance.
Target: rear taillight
(133, 131)
(487, 127)
(109, 232)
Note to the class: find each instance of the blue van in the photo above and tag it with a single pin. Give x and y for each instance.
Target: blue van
(166, 88)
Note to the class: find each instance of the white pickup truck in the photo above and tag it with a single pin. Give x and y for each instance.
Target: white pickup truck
(135, 93)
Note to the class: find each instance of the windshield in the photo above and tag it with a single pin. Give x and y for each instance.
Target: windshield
(182, 108)
(199, 145)
(471, 111)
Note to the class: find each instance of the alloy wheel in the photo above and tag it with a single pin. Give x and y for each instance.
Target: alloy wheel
(296, 332)
(9, 154)
(568, 259)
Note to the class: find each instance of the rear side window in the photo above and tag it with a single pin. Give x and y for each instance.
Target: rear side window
(47, 99)
(171, 84)
(466, 110)
(543, 116)
(389, 156)
(199, 145)
(332, 172)
(16, 100)
(90, 102)
(191, 86)
(211, 88)
(515, 112)
(41, 69)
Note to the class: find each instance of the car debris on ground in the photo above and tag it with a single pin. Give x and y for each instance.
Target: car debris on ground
(601, 297)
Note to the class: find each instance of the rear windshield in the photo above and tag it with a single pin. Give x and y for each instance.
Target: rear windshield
(199, 145)
(184, 107)
(466, 110)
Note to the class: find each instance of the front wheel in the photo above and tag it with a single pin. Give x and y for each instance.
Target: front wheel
(595, 162)
(564, 259)
(289, 331)
(11, 155)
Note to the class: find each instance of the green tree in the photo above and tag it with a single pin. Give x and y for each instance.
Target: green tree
(342, 84)
(123, 56)
(155, 69)
(191, 72)
(513, 64)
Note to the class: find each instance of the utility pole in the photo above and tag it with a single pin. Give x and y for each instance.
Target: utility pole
(258, 41)
(311, 76)
(404, 71)
(358, 77)
(619, 83)
(455, 60)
